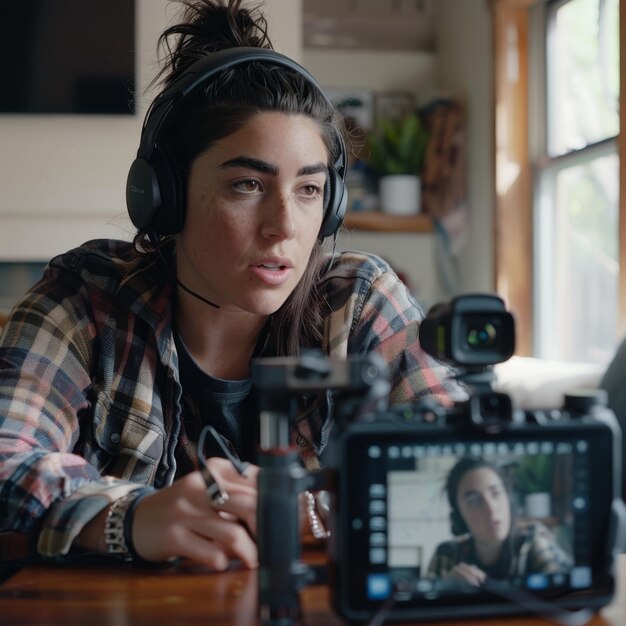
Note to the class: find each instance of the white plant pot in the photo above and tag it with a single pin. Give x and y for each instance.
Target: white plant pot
(400, 194)
(538, 504)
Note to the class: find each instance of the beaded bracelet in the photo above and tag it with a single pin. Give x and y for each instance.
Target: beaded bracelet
(317, 527)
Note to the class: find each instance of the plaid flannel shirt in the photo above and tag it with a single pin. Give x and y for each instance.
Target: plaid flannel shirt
(535, 550)
(90, 398)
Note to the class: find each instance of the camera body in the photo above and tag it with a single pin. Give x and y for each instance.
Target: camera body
(394, 534)
(390, 514)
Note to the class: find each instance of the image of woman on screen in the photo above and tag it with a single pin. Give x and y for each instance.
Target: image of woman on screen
(489, 541)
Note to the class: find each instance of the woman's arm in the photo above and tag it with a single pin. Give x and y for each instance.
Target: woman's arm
(182, 521)
(45, 357)
(386, 318)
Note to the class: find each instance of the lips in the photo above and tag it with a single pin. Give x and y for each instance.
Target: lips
(272, 271)
(270, 266)
(274, 263)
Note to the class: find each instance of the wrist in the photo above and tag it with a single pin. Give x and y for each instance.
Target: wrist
(118, 526)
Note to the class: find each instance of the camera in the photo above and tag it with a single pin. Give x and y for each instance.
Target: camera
(437, 512)
(472, 330)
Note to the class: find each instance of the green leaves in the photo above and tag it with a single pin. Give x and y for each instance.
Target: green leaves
(398, 146)
(536, 473)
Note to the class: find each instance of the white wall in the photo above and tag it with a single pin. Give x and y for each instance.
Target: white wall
(382, 71)
(461, 68)
(63, 177)
(464, 69)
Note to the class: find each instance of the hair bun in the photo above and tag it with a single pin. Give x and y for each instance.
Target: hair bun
(205, 26)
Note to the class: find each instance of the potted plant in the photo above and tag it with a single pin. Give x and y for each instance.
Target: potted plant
(396, 156)
(534, 480)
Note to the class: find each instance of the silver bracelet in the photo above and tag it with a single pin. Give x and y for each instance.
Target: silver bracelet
(114, 537)
(317, 527)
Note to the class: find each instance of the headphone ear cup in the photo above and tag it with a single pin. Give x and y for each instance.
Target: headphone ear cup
(335, 203)
(155, 195)
(143, 196)
(169, 216)
(457, 524)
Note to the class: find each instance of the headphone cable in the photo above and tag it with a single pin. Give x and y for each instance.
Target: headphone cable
(154, 240)
(196, 295)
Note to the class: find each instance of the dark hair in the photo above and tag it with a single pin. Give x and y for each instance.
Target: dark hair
(456, 474)
(224, 107)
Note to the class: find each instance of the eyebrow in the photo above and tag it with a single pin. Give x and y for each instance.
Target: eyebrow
(475, 492)
(268, 168)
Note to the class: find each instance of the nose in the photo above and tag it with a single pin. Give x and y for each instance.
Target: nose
(491, 506)
(278, 217)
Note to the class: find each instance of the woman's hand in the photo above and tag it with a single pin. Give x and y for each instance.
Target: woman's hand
(466, 573)
(182, 521)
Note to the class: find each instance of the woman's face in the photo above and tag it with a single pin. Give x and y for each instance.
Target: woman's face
(484, 506)
(254, 211)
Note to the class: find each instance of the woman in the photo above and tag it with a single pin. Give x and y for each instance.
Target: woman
(114, 362)
(491, 543)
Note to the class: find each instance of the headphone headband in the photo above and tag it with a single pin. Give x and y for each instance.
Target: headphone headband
(201, 72)
(155, 199)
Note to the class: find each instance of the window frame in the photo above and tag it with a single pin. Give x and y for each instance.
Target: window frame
(515, 153)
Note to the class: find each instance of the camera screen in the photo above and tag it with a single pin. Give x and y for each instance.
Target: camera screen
(431, 518)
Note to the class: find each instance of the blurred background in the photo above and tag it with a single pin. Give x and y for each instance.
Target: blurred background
(501, 118)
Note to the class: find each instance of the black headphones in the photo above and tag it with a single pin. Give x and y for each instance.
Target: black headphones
(457, 523)
(155, 189)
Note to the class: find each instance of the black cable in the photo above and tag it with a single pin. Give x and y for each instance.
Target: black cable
(536, 605)
(197, 295)
(239, 465)
(154, 240)
(527, 601)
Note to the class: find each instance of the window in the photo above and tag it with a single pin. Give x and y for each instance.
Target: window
(576, 182)
(560, 218)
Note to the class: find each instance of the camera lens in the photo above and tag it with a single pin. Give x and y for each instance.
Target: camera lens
(483, 335)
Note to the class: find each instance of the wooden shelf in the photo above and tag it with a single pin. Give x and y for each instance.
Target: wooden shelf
(384, 223)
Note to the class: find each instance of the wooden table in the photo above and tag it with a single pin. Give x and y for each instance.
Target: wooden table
(182, 596)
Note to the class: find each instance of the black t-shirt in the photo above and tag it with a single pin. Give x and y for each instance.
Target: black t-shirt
(229, 406)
